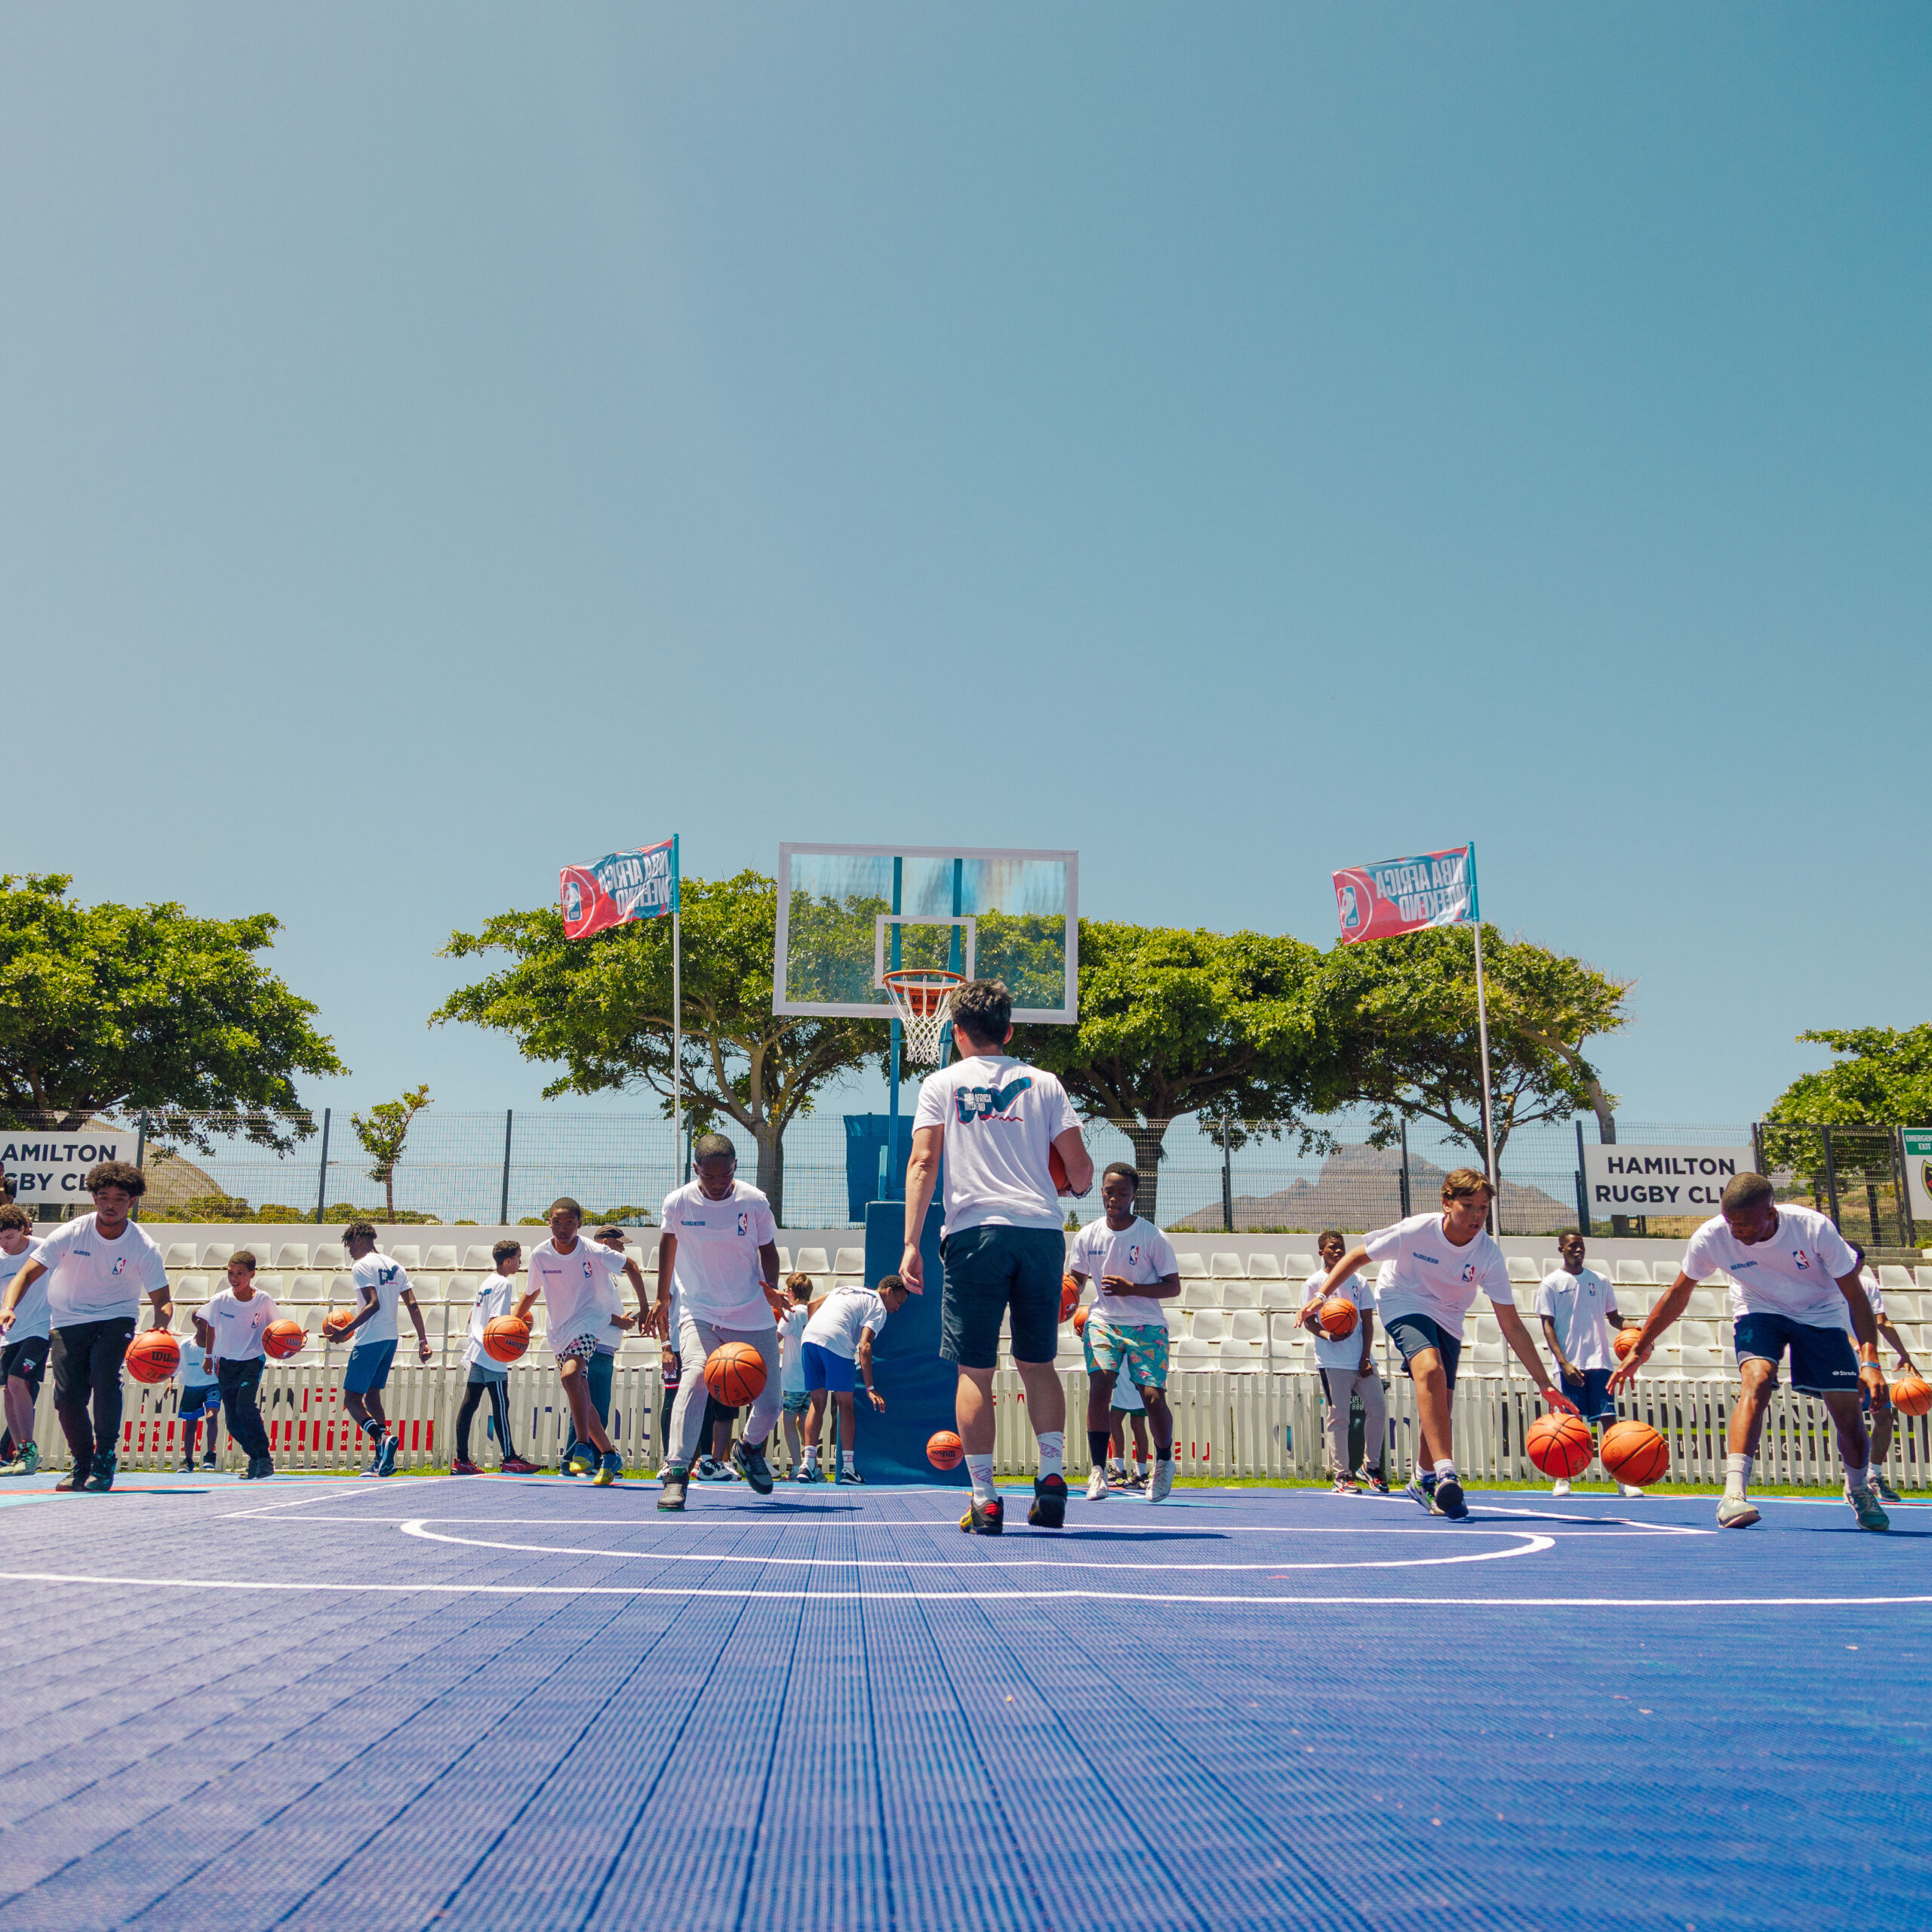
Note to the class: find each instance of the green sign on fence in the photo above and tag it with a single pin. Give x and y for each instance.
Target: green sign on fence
(1918, 1171)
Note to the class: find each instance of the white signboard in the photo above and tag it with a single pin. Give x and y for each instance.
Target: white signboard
(1659, 1180)
(48, 1169)
(1918, 1171)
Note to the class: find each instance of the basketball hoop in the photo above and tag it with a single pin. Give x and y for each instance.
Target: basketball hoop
(922, 997)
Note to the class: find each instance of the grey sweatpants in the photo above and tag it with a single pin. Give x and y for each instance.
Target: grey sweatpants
(1341, 1384)
(696, 1340)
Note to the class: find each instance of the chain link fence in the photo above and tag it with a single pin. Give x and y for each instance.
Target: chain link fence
(1198, 1174)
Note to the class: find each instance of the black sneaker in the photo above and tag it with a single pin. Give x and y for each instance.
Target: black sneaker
(209, 1461)
(102, 1480)
(748, 1459)
(984, 1519)
(847, 1478)
(1049, 1509)
(671, 1496)
(75, 1479)
(264, 1468)
(1449, 1500)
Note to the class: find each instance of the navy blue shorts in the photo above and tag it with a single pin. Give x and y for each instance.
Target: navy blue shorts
(26, 1358)
(826, 1368)
(1823, 1362)
(198, 1399)
(368, 1367)
(1413, 1333)
(1591, 1396)
(990, 1271)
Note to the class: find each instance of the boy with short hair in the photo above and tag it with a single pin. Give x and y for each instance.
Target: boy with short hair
(23, 1360)
(1578, 1308)
(230, 1330)
(792, 1368)
(1348, 1371)
(580, 1459)
(197, 1401)
(97, 1265)
(380, 1283)
(1132, 1263)
(486, 1376)
(838, 1340)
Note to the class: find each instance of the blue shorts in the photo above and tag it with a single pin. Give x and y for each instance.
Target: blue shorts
(1823, 1360)
(368, 1367)
(797, 1400)
(998, 1274)
(1591, 1396)
(825, 1369)
(198, 1399)
(1414, 1333)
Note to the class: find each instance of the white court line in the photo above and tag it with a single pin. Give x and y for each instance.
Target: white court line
(265, 1508)
(956, 1596)
(419, 1527)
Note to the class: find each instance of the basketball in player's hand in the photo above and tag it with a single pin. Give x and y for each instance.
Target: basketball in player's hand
(1559, 1445)
(1069, 1296)
(153, 1356)
(284, 1338)
(1080, 1321)
(505, 1337)
(1339, 1317)
(734, 1373)
(1626, 1339)
(1911, 1395)
(1057, 1167)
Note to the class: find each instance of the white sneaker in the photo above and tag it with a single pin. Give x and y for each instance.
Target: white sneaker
(1097, 1485)
(1628, 1489)
(1161, 1488)
(1560, 1487)
(1735, 1512)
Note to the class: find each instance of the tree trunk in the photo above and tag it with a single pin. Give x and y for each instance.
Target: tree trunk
(389, 1190)
(1147, 1137)
(771, 1166)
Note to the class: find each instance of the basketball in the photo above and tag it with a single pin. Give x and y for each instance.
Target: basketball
(284, 1338)
(153, 1356)
(1057, 1167)
(943, 1451)
(1069, 1296)
(1338, 1318)
(734, 1373)
(1634, 1452)
(1625, 1341)
(335, 1324)
(505, 1337)
(1560, 1445)
(1911, 1394)
(1080, 1321)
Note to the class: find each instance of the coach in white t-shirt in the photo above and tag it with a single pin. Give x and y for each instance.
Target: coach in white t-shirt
(1794, 1279)
(99, 1265)
(719, 1253)
(997, 1122)
(1441, 1263)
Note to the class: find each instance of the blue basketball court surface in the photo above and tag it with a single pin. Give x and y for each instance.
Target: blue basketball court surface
(486, 1703)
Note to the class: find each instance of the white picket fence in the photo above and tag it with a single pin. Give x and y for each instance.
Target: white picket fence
(1256, 1425)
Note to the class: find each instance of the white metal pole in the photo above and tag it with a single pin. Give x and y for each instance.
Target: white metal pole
(1488, 1125)
(678, 1047)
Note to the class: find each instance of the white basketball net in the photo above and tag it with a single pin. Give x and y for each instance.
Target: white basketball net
(924, 1003)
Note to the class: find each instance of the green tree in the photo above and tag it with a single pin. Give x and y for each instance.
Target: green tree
(1174, 1023)
(129, 1008)
(383, 1131)
(601, 1008)
(1885, 1080)
(1406, 1006)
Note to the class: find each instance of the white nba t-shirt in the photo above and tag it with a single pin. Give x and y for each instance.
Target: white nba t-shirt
(238, 1325)
(1432, 1275)
(1578, 1305)
(1795, 1274)
(1345, 1353)
(718, 1275)
(1140, 1252)
(496, 1297)
(575, 1288)
(92, 1280)
(846, 1315)
(1001, 1118)
(386, 1280)
(30, 1317)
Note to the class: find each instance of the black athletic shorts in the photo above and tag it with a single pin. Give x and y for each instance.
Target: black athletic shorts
(989, 1271)
(26, 1358)
(1414, 1334)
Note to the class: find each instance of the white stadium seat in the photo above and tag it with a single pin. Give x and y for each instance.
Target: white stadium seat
(1200, 1294)
(1281, 1294)
(1190, 1268)
(1264, 1268)
(328, 1254)
(1191, 1354)
(292, 1254)
(1890, 1277)
(1708, 1305)
(479, 1260)
(443, 1257)
(1239, 1294)
(216, 1254)
(1227, 1268)
(1284, 1329)
(407, 1253)
(1209, 1325)
(1299, 1266)
(811, 1261)
(309, 1288)
(180, 1255)
(1239, 1356)
(850, 1261)
(1523, 1268)
(1248, 1325)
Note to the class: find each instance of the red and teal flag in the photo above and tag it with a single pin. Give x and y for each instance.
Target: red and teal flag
(641, 883)
(1404, 895)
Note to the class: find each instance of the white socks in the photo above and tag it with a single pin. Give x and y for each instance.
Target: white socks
(1858, 1475)
(1737, 1472)
(1053, 1453)
(1445, 1471)
(980, 1468)
(845, 1460)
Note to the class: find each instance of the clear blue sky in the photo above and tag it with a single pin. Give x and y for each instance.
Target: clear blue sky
(437, 444)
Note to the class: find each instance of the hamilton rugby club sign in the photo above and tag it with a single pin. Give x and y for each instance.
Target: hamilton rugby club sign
(641, 883)
(1395, 896)
(50, 1168)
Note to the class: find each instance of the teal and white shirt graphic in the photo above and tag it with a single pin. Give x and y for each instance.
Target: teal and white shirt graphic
(1001, 1118)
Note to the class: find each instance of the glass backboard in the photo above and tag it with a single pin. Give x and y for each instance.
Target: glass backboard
(847, 914)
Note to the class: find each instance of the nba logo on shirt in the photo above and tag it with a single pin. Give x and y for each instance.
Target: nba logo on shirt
(120, 1265)
(1798, 1255)
(744, 1223)
(1469, 1273)
(1134, 1254)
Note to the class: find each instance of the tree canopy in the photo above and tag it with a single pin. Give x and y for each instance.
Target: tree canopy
(146, 1008)
(1885, 1080)
(601, 1009)
(1406, 1006)
(1174, 1022)
(384, 1131)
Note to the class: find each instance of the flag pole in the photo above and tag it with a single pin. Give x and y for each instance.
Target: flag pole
(1482, 1031)
(677, 1022)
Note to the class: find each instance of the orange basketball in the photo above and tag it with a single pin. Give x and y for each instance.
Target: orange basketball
(505, 1337)
(284, 1338)
(734, 1373)
(1634, 1452)
(1069, 1296)
(1080, 1316)
(1056, 1168)
(944, 1450)
(153, 1356)
(1911, 1395)
(1338, 1317)
(1560, 1445)
(335, 1324)
(1624, 1341)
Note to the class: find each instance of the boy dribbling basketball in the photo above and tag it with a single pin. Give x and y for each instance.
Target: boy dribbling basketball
(1347, 1367)
(1441, 1263)
(1577, 1307)
(229, 1331)
(380, 1284)
(486, 1376)
(836, 1353)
